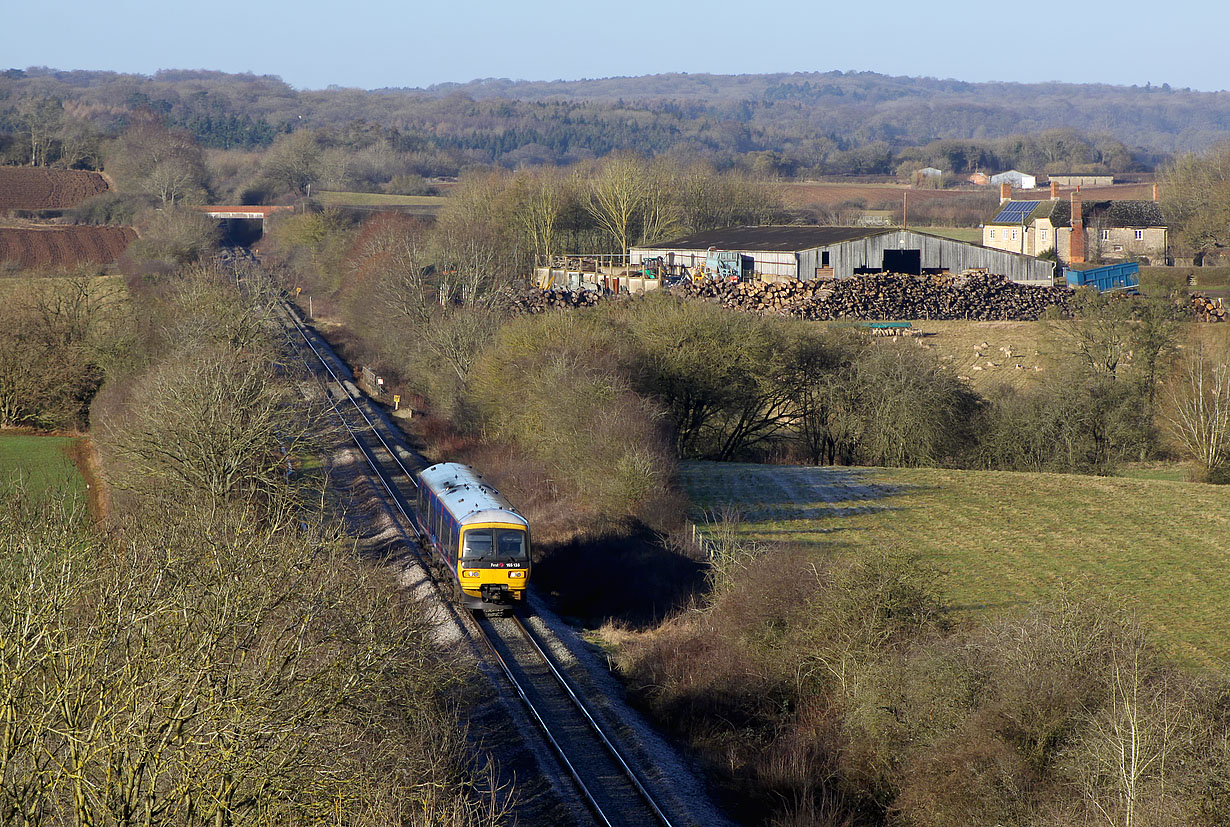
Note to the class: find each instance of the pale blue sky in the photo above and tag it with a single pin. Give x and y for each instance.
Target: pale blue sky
(377, 43)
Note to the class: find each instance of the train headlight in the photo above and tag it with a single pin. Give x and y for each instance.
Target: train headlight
(516, 574)
(470, 573)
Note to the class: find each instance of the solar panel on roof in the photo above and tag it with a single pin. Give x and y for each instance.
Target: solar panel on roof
(1014, 212)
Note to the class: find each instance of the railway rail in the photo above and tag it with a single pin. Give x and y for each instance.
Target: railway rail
(604, 780)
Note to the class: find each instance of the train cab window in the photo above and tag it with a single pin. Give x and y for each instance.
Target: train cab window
(510, 545)
(507, 545)
(478, 544)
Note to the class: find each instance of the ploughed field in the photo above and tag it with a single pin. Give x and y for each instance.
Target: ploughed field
(40, 188)
(1005, 540)
(32, 247)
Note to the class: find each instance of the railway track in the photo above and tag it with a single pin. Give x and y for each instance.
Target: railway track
(588, 754)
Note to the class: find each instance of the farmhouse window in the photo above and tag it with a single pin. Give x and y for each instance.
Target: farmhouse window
(1014, 233)
(992, 235)
(1140, 235)
(1042, 233)
(1106, 235)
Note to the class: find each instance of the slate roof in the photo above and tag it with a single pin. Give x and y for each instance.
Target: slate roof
(773, 238)
(1130, 214)
(1133, 214)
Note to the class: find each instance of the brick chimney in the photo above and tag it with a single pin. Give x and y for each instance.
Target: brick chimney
(1157, 193)
(1076, 243)
(1005, 191)
(1054, 190)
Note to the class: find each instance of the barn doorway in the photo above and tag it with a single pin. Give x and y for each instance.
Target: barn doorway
(908, 262)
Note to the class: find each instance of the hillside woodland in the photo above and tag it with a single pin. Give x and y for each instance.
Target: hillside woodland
(802, 124)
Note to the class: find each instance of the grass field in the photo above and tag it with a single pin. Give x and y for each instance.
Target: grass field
(43, 466)
(972, 235)
(1009, 539)
(376, 199)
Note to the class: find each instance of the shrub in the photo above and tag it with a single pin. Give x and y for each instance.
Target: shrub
(175, 236)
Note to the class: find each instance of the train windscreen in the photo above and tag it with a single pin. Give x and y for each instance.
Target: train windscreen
(503, 544)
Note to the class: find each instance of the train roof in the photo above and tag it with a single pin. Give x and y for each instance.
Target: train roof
(469, 497)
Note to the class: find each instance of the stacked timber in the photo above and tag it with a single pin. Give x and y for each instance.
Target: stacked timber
(975, 295)
(540, 301)
(1206, 309)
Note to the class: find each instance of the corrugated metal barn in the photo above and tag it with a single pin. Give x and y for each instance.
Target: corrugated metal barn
(805, 253)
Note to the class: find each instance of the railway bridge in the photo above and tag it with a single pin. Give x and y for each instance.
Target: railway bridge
(242, 212)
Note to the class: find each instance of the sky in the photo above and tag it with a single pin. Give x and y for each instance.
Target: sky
(373, 44)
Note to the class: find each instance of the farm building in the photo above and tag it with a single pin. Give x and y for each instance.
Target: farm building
(1017, 179)
(1064, 180)
(1079, 230)
(786, 253)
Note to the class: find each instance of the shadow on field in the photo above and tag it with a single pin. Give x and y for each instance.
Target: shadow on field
(788, 492)
(628, 578)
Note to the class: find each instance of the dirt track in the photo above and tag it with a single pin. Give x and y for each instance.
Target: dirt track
(63, 246)
(40, 188)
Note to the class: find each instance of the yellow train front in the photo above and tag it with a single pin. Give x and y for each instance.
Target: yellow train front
(479, 540)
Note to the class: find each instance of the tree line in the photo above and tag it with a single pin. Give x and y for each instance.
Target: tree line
(840, 124)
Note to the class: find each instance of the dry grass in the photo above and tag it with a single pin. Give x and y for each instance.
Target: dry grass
(811, 194)
(376, 199)
(1009, 539)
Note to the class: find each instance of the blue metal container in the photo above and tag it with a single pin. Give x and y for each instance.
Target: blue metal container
(1123, 276)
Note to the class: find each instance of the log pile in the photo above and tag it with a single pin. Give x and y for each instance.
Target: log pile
(974, 295)
(1206, 309)
(540, 301)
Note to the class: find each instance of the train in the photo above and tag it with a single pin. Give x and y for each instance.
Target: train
(480, 542)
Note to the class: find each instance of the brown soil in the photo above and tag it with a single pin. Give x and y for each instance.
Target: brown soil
(40, 188)
(85, 456)
(40, 247)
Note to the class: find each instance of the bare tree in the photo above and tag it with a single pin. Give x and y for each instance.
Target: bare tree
(542, 201)
(211, 423)
(1199, 412)
(42, 119)
(617, 196)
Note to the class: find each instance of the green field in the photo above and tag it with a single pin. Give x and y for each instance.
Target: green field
(376, 199)
(973, 235)
(43, 466)
(1009, 539)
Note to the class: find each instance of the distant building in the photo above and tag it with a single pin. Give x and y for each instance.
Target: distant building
(980, 179)
(1079, 231)
(1017, 179)
(928, 177)
(787, 253)
(1082, 180)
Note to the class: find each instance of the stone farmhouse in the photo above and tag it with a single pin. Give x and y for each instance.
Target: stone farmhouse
(1079, 232)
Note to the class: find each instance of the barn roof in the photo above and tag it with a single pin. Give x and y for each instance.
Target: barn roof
(773, 238)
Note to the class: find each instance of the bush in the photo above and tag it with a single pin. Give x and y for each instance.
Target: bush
(547, 386)
(174, 236)
(113, 208)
